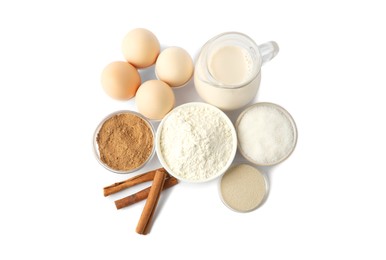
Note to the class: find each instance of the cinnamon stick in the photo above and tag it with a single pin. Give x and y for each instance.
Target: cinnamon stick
(151, 202)
(118, 186)
(143, 194)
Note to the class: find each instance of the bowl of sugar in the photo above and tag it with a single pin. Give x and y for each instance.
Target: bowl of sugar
(266, 133)
(196, 142)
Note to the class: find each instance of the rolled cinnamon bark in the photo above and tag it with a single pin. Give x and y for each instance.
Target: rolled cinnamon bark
(118, 186)
(143, 194)
(151, 202)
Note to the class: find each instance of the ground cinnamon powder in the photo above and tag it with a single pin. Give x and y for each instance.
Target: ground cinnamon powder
(125, 142)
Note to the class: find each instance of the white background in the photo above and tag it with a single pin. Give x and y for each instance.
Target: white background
(327, 201)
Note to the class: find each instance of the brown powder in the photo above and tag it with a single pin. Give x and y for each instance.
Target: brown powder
(125, 142)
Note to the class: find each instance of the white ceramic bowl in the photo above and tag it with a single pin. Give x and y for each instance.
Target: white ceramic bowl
(229, 160)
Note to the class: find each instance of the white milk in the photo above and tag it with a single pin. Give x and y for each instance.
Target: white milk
(230, 65)
(227, 72)
(232, 68)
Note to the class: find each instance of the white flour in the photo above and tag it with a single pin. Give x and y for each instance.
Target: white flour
(266, 134)
(196, 142)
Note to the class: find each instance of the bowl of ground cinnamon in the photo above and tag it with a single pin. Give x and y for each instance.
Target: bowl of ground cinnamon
(124, 141)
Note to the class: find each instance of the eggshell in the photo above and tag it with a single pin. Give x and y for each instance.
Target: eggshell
(154, 99)
(174, 66)
(141, 48)
(120, 80)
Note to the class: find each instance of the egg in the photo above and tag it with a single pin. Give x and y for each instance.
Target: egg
(140, 47)
(120, 80)
(174, 66)
(154, 99)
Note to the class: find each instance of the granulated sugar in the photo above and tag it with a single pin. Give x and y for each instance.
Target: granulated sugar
(266, 134)
(243, 188)
(197, 142)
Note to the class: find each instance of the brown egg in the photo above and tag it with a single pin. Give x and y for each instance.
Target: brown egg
(140, 47)
(120, 80)
(154, 99)
(174, 66)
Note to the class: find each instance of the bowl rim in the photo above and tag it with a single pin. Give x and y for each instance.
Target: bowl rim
(95, 143)
(222, 115)
(288, 116)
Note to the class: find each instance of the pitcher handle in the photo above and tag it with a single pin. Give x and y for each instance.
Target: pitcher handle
(268, 50)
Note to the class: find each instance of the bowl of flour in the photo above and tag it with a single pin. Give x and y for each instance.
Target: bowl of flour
(196, 142)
